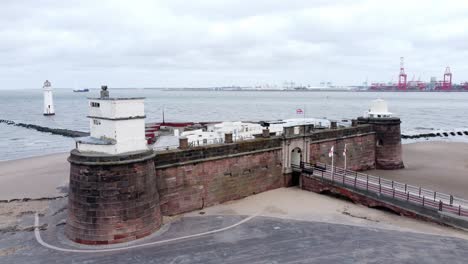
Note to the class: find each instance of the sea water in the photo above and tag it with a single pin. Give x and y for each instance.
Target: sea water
(419, 112)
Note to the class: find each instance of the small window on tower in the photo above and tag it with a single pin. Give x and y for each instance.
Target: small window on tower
(94, 104)
(96, 122)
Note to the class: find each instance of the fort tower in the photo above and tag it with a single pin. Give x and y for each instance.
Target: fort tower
(388, 154)
(113, 193)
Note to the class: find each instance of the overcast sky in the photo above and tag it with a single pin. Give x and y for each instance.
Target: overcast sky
(184, 43)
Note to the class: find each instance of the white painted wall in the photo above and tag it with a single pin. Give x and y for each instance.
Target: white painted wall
(106, 128)
(128, 134)
(122, 108)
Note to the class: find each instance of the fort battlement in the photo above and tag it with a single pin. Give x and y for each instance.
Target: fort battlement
(118, 198)
(122, 197)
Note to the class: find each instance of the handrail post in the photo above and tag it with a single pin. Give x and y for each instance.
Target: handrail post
(367, 182)
(441, 204)
(405, 187)
(459, 209)
(392, 185)
(435, 195)
(423, 200)
(393, 192)
(380, 188)
(419, 191)
(451, 199)
(355, 179)
(407, 196)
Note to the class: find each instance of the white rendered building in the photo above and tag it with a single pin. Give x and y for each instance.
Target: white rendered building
(117, 125)
(48, 99)
(244, 130)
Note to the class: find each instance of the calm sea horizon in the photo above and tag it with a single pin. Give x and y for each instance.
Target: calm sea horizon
(419, 112)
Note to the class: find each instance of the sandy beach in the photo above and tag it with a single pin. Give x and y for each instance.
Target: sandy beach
(36, 177)
(439, 166)
(296, 204)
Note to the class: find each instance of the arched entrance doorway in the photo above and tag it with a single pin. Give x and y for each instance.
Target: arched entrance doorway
(296, 158)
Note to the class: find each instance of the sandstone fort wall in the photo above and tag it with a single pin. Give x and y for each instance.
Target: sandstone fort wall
(119, 198)
(192, 179)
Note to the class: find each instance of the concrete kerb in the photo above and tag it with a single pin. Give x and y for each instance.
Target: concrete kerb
(37, 234)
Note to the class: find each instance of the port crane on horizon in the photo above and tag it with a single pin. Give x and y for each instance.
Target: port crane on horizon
(405, 85)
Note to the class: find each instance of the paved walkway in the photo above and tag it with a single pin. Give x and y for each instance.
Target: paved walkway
(260, 240)
(295, 226)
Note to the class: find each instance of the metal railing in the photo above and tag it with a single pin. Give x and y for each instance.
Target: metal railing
(396, 190)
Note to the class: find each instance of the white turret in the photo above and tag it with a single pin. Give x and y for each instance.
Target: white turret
(378, 109)
(117, 125)
(48, 100)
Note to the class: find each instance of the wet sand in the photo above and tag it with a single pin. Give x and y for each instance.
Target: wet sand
(439, 166)
(37, 177)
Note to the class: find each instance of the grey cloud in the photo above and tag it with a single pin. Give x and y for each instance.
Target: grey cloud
(214, 42)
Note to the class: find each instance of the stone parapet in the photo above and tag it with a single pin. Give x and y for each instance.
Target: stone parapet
(178, 156)
(325, 134)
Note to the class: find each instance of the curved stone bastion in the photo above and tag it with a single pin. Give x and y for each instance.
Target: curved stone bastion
(388, 152)
(112, 198)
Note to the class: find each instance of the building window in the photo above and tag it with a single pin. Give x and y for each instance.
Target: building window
(296, 130)
(96, 122)
(94, 104)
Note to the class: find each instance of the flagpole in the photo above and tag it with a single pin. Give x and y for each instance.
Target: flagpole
(345, 156)
(345, 162)
(333, 162)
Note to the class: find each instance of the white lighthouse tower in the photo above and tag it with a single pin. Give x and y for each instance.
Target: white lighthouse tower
(117, 125)
(48, 100)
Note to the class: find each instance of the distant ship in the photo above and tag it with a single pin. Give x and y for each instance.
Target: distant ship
(81, 90)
